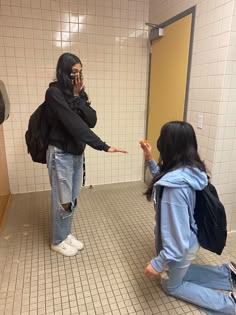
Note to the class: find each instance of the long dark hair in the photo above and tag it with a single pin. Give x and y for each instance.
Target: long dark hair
(64, 67)
(177, 145)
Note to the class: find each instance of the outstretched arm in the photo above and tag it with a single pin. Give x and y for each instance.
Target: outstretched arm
(147, 151)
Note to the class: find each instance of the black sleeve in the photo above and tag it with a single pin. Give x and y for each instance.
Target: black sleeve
(72, 122)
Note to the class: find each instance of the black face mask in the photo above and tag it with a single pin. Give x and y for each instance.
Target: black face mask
(159, 144)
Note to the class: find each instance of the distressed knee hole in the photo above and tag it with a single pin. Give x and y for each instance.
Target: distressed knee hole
(66, 206)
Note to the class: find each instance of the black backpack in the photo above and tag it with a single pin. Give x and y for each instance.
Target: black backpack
(36, 136)
(210, 217)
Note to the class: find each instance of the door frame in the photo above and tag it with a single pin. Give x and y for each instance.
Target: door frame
(179, 16)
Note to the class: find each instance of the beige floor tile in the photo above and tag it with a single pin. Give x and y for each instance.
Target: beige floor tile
(115, 222)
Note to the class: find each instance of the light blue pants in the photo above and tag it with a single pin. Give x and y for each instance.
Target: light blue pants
(194, 283)
(65, 173)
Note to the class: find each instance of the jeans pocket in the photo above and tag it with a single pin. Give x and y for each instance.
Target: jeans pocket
(57, 150)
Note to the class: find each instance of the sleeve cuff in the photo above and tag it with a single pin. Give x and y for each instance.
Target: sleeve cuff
(156, 265)
(106, 147)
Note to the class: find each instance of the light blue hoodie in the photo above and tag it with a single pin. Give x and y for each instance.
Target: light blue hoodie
(177, 207)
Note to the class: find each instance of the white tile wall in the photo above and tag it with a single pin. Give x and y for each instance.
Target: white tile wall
(212, 87)
(110, 37)
(228, 125)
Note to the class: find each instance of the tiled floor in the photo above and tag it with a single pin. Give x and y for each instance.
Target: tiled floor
(115, 222)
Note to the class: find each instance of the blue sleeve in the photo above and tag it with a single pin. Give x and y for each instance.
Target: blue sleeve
(175, 228)
(153, 167)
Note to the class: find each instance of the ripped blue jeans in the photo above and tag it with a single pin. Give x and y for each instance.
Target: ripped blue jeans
(65, 172)
(197, 284)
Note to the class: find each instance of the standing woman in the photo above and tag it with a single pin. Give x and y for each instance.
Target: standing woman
(70, 118)
(181, 172)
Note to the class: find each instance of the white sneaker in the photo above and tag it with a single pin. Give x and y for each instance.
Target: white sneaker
(65, 249)
(72, 241)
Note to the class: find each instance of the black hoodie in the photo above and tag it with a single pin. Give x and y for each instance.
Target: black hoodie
(69, 131)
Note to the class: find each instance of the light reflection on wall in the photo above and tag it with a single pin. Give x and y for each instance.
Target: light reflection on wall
(76, 25)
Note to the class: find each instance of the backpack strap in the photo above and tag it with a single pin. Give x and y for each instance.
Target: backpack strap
(84, 172)
(158, 215)
(161, 188)
(191, 228)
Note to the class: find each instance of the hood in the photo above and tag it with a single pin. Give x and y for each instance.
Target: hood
(183, 177)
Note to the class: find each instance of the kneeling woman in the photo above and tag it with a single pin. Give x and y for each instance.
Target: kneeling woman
(181, 171)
